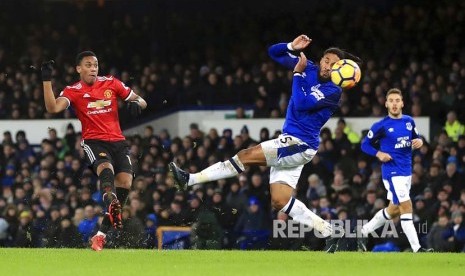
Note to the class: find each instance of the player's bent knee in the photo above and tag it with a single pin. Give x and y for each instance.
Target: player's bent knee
(245, 154)
(252, 156)
(100, 165)
(278, 202)
(405, 207)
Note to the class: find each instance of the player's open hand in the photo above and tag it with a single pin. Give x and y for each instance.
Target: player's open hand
(383, 157)
(300, 42)
(302, 64)
(417, 143)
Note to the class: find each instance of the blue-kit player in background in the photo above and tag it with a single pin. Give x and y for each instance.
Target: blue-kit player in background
(314, 99)
(397, 135)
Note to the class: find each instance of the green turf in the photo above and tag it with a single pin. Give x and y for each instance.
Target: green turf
(188, 262)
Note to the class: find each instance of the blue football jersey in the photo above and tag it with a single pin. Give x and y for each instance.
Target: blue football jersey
(312, 102)
(395, 138)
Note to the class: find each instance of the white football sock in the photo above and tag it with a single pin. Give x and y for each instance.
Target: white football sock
(376, 222)
(406, 221)
(220, 170)
(300, 213)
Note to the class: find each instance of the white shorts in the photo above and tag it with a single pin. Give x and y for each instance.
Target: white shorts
(286, 155)
(398, 188)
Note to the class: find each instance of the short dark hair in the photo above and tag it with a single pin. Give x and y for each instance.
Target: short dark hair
(394, 91)
(84, 54)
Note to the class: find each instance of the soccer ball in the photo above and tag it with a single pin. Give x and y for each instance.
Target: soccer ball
(345, 73)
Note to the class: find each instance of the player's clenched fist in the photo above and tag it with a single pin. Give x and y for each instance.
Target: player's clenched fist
(46, 70)
(417, 143)
(383, 157)
(134, 108)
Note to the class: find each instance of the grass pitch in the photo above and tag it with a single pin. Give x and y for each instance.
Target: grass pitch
(188, 262)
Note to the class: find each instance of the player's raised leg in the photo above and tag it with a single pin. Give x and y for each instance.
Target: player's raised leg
(219, 170)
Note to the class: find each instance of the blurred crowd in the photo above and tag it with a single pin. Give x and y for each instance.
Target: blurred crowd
(221, 59)
(216, 55)
(50, 198)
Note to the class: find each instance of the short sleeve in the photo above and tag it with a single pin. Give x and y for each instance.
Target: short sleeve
(123, 91)
(65, 94)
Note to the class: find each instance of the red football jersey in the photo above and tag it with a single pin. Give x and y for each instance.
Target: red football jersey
(96, 107)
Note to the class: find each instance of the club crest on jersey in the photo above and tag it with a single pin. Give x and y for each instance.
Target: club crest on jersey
(99, 104)
(107, 94)
(403, 142)
(409, 126)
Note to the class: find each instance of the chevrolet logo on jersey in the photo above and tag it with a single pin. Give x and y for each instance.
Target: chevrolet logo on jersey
(99, 104)
(403, 142)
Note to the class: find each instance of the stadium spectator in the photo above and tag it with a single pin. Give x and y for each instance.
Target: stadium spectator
(251, 227)
(453, 127)
(88, 225)
(25, 236)
(455, 232)
(435, 237)
(132, 234)
(206, 230)
(315, 187)
(68, 234)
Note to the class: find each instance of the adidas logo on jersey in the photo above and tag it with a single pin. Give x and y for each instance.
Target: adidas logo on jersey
(86, 96)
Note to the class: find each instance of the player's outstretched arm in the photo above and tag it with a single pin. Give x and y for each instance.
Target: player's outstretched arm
(51, 104)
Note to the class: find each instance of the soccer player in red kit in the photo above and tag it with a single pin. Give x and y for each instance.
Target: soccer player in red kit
(94, 99)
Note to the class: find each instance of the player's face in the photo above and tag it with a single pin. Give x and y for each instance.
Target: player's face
(326, 62)
(88, 69)
(394, 105)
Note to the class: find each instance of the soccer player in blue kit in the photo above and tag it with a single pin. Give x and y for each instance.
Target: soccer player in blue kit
(397, 136)
(314, 99)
